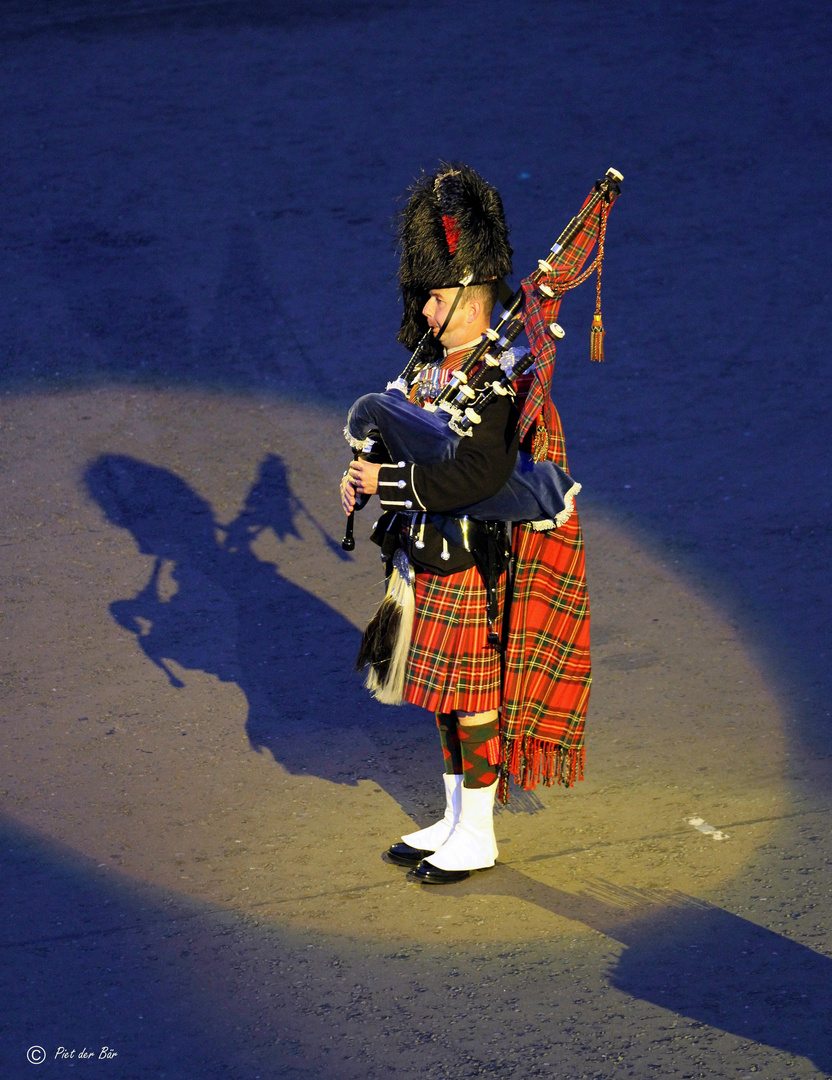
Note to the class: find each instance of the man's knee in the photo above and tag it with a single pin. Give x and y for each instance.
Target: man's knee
(471, 719)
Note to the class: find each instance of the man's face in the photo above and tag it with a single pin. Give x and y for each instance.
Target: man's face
(459, 329)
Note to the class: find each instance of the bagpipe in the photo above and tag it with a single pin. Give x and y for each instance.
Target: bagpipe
(538, 492)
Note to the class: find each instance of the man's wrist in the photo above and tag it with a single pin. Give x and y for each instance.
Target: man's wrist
(396, 490)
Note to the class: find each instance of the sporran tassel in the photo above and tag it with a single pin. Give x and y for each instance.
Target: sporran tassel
(386, 641)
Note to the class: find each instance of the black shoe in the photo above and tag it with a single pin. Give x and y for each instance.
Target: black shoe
(428, 874)
(404, 855)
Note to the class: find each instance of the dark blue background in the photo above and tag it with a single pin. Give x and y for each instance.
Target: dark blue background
(202, 194)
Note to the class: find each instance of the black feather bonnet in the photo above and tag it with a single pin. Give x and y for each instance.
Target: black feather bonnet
(452, 231)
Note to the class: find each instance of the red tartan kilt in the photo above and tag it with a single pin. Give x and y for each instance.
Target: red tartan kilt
(450, 664)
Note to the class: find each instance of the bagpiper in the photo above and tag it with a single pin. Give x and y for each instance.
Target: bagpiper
(486, 622)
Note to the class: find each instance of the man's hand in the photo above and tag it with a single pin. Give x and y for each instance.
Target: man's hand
(347, 495)
(363, 475)
(361, 479)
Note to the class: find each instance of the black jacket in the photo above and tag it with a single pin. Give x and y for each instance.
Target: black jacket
(482, 465)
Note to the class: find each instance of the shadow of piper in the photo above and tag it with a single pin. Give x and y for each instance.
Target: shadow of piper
(695, 959)
(212, 605)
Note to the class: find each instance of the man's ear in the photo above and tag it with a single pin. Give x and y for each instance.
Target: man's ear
(474, 311)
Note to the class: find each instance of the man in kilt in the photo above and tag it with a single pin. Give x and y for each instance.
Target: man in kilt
(507, 677)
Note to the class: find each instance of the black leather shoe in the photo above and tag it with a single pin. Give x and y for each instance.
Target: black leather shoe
(404, 855)
(428, 874)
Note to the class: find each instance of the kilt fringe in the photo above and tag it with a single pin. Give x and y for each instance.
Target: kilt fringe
(531, 761)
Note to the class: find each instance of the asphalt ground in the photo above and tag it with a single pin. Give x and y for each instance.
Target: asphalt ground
(198, 280)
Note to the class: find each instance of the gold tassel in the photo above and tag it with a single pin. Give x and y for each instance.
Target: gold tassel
(596, 338)
(540, 442)
(596, 333)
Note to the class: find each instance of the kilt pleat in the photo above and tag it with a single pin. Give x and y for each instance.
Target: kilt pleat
(450, 664)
